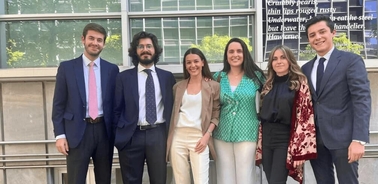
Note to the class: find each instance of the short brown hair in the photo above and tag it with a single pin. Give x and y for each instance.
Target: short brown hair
(94, 27)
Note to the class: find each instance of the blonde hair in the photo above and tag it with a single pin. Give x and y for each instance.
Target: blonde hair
(296, 77)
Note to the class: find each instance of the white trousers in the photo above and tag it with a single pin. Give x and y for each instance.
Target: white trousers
(183, 144)
(235, 163)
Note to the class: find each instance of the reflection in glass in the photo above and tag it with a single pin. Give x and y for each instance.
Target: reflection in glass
(357, 19)
(61, 6)
(182, 5)
(210, 34)
(237, 25)
(187, 4)
(47, 43)
(152, 5)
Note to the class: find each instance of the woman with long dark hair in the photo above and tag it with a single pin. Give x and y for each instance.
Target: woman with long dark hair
(236, 136)
(194, 117)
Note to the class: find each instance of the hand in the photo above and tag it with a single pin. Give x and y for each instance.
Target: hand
(62, 146)
(202, 143)
(298, 163)
(355, 151)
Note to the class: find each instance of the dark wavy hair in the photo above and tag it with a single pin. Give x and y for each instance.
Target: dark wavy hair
(94, 27)
(205, 69)
(251, 70)
(320, 18)
(133, 47)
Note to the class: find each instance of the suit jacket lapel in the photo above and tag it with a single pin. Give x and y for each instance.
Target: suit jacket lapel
(180, 90)
(206, 97)
(104, 78)
(179, 93)
(162, 83)
(79, 74)
(307, 71)
(134, 85)
(331, 66)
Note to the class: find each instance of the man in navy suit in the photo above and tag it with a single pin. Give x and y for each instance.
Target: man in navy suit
(83, 132)
(341, 96)
(142, 115)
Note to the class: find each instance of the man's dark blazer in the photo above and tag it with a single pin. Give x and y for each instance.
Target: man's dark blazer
(343, 104)
(126, 109)
(69, 103)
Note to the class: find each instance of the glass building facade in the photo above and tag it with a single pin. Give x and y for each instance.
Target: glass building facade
(42, 34)
(357, 19)
(35, 36)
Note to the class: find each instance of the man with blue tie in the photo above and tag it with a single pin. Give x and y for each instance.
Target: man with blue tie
(143, 107)
(82, 111)
(342, 105)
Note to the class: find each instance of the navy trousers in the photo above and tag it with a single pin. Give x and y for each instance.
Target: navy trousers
(95, 144)
(323, 166)
(145, 146)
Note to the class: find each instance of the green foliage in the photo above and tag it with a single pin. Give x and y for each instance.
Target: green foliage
(13, 56)
(113, 46)
(213, 47)
(340, 41)
(47, 43)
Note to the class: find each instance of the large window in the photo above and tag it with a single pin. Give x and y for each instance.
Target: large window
(209, 31)
(183, 5)
(210, 34)
(46, 43)
(60, 6)
(36, 33)
(355, 24)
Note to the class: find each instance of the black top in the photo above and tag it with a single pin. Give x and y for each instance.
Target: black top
(277, 104)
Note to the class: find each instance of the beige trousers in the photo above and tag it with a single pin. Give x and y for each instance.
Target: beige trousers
(235, 162)
(182, 150)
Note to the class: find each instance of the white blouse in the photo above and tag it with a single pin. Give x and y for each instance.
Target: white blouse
(190, 111)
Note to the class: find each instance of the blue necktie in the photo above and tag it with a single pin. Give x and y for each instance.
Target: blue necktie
(319, 74)
(150, 98)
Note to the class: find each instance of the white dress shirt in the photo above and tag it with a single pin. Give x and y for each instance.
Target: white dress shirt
(142, 77)
(316, 63)
(97, 71)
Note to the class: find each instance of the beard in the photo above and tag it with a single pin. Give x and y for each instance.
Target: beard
(146, 61)
(90, 52)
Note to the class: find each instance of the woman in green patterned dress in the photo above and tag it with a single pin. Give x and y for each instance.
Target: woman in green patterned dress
(236, 135)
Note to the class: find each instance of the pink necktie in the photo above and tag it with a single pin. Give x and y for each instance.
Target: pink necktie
(92, 93)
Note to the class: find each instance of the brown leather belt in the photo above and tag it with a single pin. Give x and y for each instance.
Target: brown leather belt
(97, 120)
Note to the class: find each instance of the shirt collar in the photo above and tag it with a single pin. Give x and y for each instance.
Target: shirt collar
(141, 68)
(326, 56)
(87, 61)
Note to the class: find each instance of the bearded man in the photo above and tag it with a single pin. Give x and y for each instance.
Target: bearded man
(142, 112)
